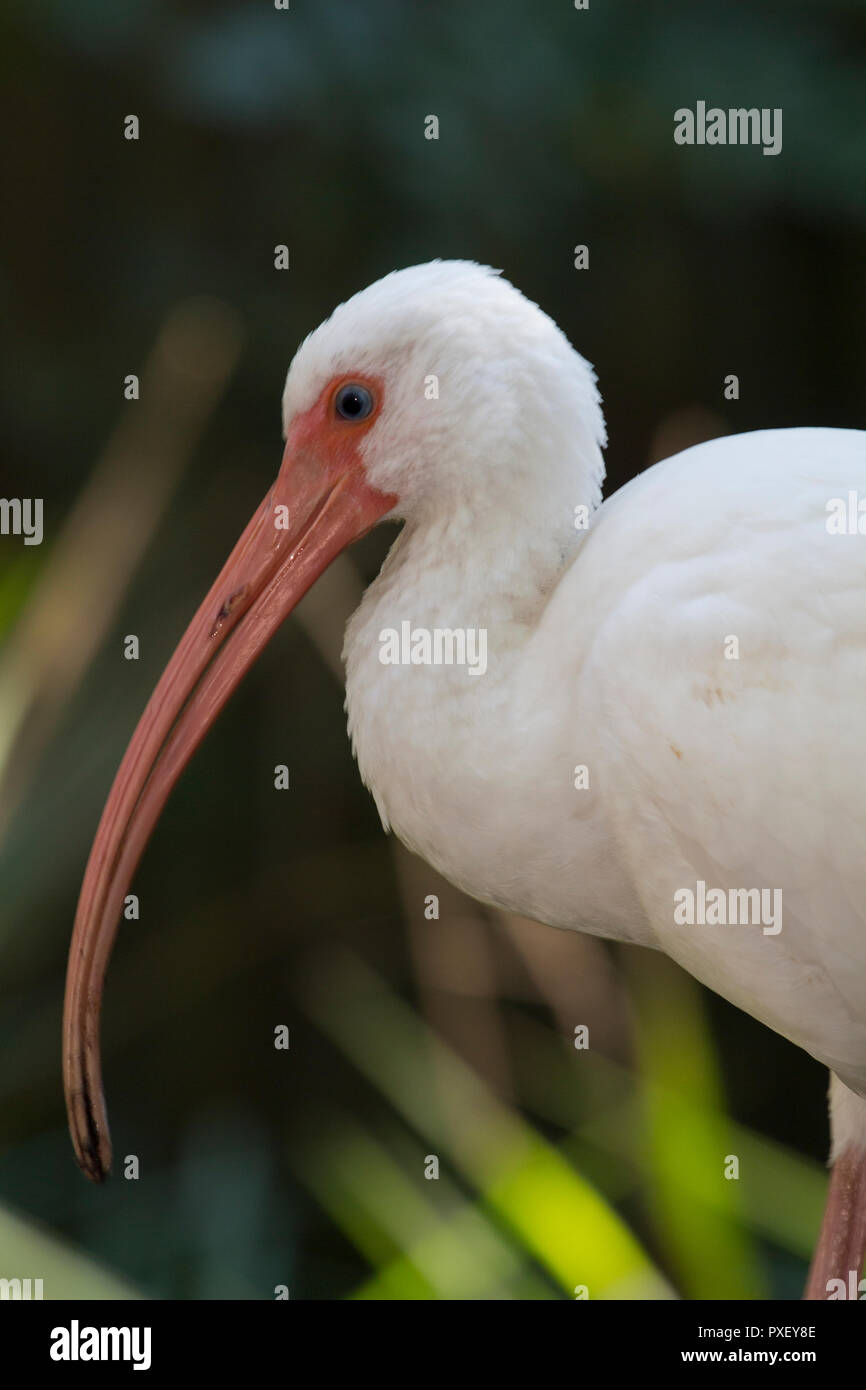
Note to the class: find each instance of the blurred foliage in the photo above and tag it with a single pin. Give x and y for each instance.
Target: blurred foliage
(65, 1273)
(259, 127)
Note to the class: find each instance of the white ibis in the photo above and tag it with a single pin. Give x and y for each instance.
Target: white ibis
(663, 742)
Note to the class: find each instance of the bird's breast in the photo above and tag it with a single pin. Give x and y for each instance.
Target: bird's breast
(490, 791)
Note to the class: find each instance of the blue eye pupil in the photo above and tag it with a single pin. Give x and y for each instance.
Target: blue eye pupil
(354, 402)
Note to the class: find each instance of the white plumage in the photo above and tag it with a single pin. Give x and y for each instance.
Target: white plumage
(672, 703)
(612, 648)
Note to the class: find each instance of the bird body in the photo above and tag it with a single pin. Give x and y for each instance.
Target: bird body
(664, 745)
(684, 652)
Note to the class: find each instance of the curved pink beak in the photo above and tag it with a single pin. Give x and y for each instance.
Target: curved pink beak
(319, 503)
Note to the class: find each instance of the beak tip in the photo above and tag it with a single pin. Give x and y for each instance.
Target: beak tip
(90, 1137)
(94, 1165)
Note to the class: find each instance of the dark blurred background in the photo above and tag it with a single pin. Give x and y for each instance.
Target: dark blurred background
(409, 1038)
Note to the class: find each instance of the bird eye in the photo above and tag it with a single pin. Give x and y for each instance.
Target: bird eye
(353, 402)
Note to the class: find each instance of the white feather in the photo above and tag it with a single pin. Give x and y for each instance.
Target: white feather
(607, 649)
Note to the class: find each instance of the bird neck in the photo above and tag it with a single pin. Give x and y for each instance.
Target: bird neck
(471, 573)
(455, 760)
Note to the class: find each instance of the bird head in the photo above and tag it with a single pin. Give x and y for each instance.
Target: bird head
(444, 385)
